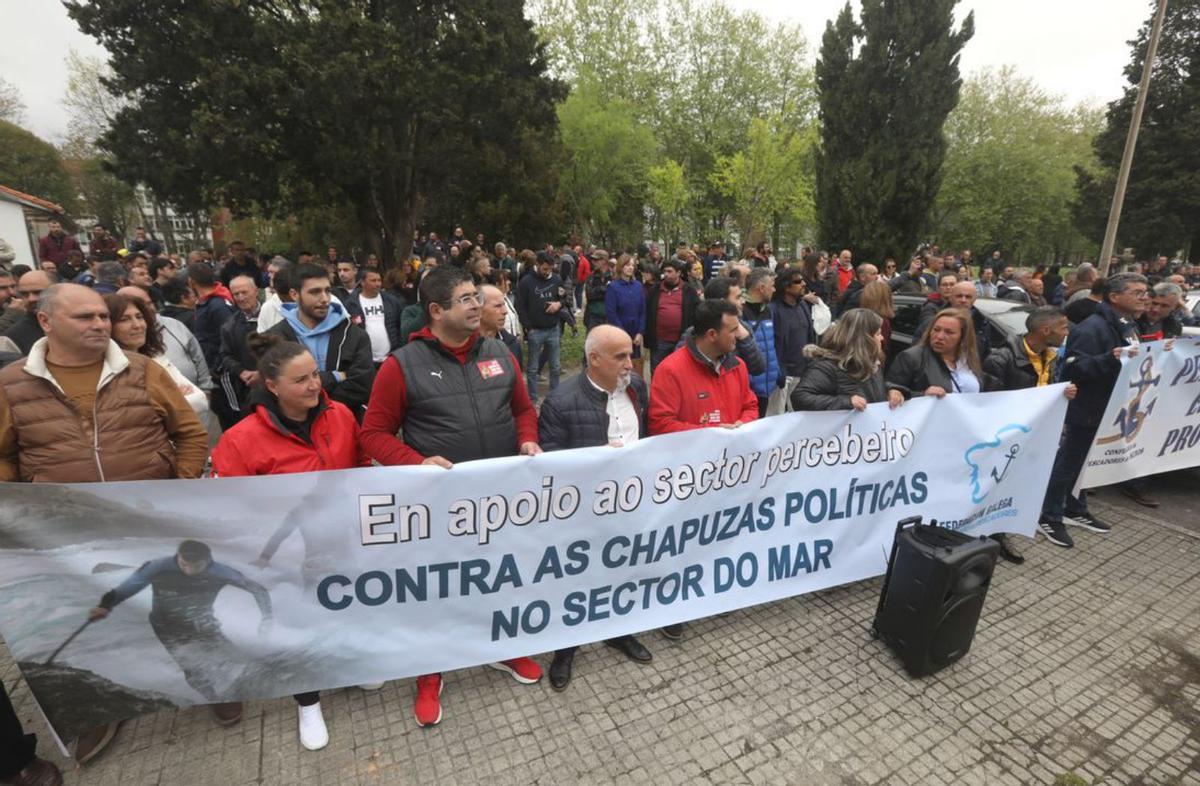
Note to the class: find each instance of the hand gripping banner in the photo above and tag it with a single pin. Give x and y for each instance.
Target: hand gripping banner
(124, 598)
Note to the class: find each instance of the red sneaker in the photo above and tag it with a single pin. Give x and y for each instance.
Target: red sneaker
(428, 707)
(523, 670)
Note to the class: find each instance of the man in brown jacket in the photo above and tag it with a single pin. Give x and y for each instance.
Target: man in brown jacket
(78, 409)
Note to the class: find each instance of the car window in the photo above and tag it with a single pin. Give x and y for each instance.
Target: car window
(907, 316)
(1012, 322)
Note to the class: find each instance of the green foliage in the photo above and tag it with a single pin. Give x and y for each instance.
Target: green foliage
(32, 165)
(609, 152)
(885, 86)
(417, 110)
(769, 178)
(1162, 203)
(669, 200)
(1008, 178)
(695, 71)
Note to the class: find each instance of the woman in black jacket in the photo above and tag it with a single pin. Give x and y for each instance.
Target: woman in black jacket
(945, 360)
(845, 371)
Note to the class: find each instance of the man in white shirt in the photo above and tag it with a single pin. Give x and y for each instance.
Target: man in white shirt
(603, 405)
(376, 312)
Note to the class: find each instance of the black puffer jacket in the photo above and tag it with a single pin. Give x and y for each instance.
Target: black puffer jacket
(825, 386)
(575, 414)
(918, 368)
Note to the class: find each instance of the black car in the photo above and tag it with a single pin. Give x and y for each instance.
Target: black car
(1005, 320)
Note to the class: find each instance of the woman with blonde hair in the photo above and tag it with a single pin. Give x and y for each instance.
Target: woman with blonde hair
(846, 370)
(945, 360)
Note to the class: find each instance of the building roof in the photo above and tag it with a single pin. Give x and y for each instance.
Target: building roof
(28, 200)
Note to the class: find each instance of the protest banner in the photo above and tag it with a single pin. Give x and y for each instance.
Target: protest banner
(323, 580)
(1152, 421)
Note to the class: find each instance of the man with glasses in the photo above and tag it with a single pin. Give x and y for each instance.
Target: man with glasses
(1092, 361)
(454, 396)
(26, 331)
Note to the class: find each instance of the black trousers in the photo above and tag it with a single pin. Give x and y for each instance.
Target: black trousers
(16, 747)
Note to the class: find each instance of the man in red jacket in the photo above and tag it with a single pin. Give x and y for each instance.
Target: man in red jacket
(455, 396)
(703, 384)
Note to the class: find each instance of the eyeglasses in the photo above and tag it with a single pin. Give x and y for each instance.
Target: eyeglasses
(1138, 293)
(465, 300)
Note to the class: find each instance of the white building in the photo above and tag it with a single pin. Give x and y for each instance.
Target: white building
(23, 219)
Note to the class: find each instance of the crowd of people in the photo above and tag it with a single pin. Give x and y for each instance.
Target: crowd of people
(130, 364)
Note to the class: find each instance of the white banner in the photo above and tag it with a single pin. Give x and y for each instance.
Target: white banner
(330, 579)
(1152, 422)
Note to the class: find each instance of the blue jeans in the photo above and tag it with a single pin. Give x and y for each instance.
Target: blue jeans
(550, 337)
(1068, 463)
(661, 351)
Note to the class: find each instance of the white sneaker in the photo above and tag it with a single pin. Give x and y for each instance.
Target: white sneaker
(313, 734)
(370, 686)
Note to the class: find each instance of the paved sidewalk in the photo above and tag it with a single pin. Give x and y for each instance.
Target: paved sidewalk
(1086, 661)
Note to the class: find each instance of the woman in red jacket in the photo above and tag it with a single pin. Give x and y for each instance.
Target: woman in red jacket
(295, 427)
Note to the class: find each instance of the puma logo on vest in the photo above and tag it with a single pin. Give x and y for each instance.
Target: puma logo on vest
(437, 374)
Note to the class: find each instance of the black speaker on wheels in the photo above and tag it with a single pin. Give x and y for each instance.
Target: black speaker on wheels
(933, 593)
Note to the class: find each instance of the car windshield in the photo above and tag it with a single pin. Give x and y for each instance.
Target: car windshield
(1013, 320)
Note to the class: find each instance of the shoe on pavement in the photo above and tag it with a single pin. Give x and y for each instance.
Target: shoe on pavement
(370, 685)
(1139, 496)
(1007, 552)
(227, 714)
(560, 670)
(38, 772)
(1056, 533)
(313, 734)
(1088, 522)
(428, 707)
(523, 670)
(673, 632)
(90, 744)
(632, 648)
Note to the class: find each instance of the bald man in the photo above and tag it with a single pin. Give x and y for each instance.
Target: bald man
(492, 316)
(27, 330)
(603, 405)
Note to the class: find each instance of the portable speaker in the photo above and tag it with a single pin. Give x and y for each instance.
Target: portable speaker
(933, 594)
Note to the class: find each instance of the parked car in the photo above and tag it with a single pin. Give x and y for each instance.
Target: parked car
(1191, 301)
(1004, 317)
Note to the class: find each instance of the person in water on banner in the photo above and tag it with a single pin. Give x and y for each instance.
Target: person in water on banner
(184, 587)
(292, 416)
(703, 384)
(453, 395)
(603, 405)
(136, 423)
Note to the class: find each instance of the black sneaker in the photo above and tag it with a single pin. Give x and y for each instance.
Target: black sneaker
(1056, 533)
(673, 632)
(1088, 522)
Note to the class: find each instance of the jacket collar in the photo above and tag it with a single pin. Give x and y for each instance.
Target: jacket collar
(726, 363)
(267, 408)
(115, 361)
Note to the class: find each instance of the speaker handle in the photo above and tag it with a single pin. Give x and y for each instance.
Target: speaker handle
(887, 576)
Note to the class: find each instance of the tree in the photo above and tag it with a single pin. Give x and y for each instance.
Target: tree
(696, 72)
(669, 195)
(766, 179)
(32, 165)
(609, 151)
(12, 107)
(1008, 178)
(288, 104)
(1162, 203)
(885, 86)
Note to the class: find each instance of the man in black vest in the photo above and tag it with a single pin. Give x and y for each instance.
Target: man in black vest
(603, 405)
(456, 396)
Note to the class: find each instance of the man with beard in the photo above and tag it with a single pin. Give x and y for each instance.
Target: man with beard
(603, 405)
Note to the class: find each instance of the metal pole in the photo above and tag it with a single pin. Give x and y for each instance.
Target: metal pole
(1114, 214)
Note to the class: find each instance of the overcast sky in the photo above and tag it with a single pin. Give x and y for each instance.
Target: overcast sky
(1076, 48)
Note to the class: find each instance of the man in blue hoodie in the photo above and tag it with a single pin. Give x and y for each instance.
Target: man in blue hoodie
(342, 350)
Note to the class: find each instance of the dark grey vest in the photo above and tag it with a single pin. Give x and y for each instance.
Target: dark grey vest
(460, 412)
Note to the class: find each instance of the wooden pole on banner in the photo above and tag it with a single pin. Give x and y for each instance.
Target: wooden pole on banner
(1118, 201)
